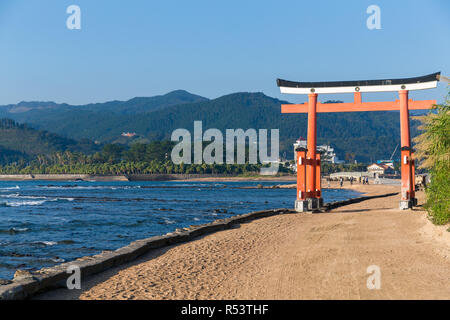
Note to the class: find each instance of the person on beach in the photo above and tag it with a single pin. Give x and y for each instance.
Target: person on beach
(351, 181)
(341, 181)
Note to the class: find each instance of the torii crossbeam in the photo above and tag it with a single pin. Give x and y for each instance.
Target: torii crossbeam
(309, 195)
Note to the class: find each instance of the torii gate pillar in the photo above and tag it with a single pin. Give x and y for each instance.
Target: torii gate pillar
(408, 199)
(309, 195)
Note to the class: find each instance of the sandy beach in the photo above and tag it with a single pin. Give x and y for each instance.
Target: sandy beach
(293, 256)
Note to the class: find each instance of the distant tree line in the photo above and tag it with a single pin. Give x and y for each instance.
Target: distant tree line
(115, 159)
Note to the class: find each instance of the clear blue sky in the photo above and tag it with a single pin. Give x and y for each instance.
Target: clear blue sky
(211, 48)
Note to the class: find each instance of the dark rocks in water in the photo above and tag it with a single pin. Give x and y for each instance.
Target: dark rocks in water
(77, 208)
(13, 231)
(57, 259)
(259, 186)
(19, 255)
(220, 210)
(4, 282)
(165, 209)
(66, 242)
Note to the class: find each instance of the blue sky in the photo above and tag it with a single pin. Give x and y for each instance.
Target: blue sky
(143, 48)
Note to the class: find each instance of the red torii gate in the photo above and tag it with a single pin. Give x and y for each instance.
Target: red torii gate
(309, 194)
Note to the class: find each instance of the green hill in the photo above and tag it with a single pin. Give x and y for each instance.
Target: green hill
(19, 141)
(369, 135)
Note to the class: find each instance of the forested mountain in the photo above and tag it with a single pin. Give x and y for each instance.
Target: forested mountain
(365, 136)
(21, 142)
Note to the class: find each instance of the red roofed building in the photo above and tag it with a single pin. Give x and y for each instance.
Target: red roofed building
(128, 134)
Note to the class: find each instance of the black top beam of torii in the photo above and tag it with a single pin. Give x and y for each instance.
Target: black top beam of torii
(416, 83)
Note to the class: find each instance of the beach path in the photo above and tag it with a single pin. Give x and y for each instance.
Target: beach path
(293, 256)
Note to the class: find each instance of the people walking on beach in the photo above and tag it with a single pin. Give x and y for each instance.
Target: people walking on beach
(341, 181)
(351, 181)
(367, 180)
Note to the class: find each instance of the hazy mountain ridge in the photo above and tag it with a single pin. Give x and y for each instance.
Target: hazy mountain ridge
(134, 105)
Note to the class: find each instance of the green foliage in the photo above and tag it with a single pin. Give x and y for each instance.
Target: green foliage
(124, 167)
(434, 152)
(19, 142)
(113, 159)
(158, 150)
(438, 194)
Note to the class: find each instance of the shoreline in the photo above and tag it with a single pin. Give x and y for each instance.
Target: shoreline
(176, 177)
(112, 266)
(24, 285)
(291, 256)
(141, 177)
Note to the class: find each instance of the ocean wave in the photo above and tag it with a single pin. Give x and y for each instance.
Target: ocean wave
(12, 195)
(38, 199)
(74, 187)
(14, 230)
(77, 187)
(19, 196)
(24, 203)
(46, 243)
(10, 188)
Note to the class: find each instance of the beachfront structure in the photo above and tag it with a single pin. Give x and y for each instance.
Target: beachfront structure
(379, 169)
(309, 195)
(356, 175)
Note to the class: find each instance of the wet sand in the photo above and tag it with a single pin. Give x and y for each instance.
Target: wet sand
(293, 256)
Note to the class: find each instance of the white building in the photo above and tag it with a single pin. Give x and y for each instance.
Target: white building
(327, 151)
(377, 169)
